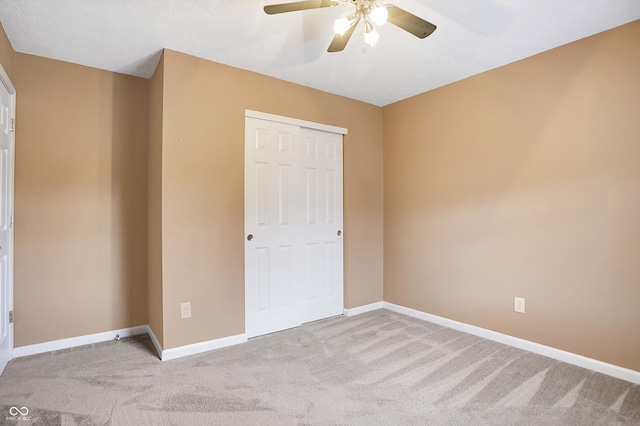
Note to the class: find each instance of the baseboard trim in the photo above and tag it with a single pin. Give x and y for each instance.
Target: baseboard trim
(362, 309)
(163, 354)
(548, 351)
(73, 342)
(197, 348)
(155, 342)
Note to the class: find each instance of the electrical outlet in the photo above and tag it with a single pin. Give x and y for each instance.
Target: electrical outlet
(519, 304)
(185, 310)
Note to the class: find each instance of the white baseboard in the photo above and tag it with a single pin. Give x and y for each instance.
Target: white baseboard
(155, 341)
(163, 354)
(362, 309)
(72, 342)
(197, 348)
(568, 357)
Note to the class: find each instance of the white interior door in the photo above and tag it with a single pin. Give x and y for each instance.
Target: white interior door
(7, 116)
(323, 251)
(272, 246)
(293, 212)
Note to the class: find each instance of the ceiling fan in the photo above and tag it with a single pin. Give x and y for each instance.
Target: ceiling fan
(367, 11)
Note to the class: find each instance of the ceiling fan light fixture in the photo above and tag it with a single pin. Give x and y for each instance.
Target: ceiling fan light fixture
(367, 11)
(379, 15)
(371, 36)
(341, 25)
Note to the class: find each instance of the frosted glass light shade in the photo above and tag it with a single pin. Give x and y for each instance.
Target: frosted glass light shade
(371, 37)
(379, 15)
(341, 25)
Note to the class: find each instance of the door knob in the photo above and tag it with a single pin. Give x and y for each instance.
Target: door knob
(250, 237)
(339, 233)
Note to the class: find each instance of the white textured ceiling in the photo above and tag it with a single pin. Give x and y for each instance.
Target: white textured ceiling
(473, 36)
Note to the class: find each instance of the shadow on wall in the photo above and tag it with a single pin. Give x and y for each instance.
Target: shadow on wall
(80, 197)
(129, 199)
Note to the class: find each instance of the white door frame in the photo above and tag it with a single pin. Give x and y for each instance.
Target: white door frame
(249, 114)
(6, 82)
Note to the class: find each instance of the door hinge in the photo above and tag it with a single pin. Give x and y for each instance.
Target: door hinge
(13, 125)
(10, 317)
(10, 221)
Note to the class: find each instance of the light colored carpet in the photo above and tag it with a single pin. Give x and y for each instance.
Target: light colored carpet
(379, 368)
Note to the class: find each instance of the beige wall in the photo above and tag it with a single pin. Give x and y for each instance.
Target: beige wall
(202, 190)
(154, 216)
(6, 53)
(80, 200)
(524, 181)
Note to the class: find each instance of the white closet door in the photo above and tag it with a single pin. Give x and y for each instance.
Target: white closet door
(272, 245)
(323, 251)
(293, 212)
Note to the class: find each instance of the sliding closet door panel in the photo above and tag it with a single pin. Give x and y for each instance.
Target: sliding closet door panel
(324, 264)
(272, 241)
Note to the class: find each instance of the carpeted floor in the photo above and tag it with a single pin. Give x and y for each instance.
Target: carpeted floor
(379, 368)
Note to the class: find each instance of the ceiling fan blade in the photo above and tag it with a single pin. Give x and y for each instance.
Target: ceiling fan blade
(340, 41)
(300, 5)
(409, 22)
